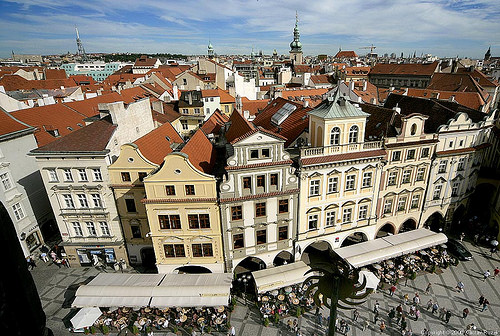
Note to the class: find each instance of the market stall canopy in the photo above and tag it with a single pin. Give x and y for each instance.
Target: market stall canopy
(85, 317)
(280, 276)
(371, 279)
(155, 290)
(388, 247)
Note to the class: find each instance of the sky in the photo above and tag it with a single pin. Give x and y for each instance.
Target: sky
(445, 28)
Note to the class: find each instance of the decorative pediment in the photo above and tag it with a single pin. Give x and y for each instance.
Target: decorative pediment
(370, 166)
(333, 172)
(348, 203)
(418, 189)
(440, 180)
(365, 200)
(201, 239)
(173, 239)
(315, 209)
(404, 191)
(331, 206)
(352, 169)
(390, 194)
(458, 177)
(316, 174)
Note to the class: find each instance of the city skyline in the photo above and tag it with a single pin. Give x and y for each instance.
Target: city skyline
(443, 28)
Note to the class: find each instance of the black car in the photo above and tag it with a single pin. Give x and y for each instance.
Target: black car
(458, 249)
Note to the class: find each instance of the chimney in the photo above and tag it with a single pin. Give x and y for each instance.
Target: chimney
(306, 103)
(406, 92)
(391, 88)
(452, 98)
(239, 104)
(435, 95)
(62, 87)
(397, 109)
(175, 92)
(351, 86)
(365, 85)
(373, 101)
(246, 114)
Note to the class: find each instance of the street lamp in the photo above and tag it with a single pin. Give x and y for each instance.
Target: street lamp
(245, 279)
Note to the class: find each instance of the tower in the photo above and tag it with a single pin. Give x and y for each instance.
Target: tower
(210, 50)
(295, 45)
(488, 54)
(81, 50)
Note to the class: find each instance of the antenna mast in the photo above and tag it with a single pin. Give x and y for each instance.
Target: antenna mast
(81, 50)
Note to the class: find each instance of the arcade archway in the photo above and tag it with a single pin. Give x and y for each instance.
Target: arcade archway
(249, 264)
(193, 270)
(282, 258)
(386, 230)
(315, 249)
(435, 222)
(408, 225)
(354, 238)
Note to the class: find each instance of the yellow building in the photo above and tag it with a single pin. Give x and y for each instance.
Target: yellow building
(182, 210)
(135, 162)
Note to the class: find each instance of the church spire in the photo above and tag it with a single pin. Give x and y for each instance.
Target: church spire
(296, 46)
(488, 54)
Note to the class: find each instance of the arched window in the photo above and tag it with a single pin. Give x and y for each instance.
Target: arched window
(335, 136)
(413, 129)
(353, 134)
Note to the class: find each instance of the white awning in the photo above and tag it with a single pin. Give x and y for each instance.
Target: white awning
(280, 276)
(111, 301)
(85, 317)
(371, 279)
(388, 247)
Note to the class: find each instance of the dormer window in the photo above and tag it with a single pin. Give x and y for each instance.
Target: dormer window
(413, 129)
(353, 134)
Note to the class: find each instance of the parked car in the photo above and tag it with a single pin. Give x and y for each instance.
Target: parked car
(458, 249)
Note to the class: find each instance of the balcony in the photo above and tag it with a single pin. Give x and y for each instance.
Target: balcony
(341, 149)
(83, 211)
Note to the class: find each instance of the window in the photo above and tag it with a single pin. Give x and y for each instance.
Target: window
(184, 81)
(314, 188)
(185, 111)
(450, 144)
(283, 232)
(201, 221)
(410, 155)
(347, 215)
(367, 179)
(82, 199)
(349, 182)
(260, 209)
(413, 129)
(18, 211)
(96, 199)
(414, 201)
(392, 178)
(236, 212)
(77, 228)
(136, 231)
(396, 156)
(313, 222)
(189, 189)
(130, 204)
(353, 134)
(68, 177)
(68, 201)
(202, 250)
(425, 152)
(406, 176)
(238, 241)
(142, 175)
(333, 183)
(105, 228)
(247, 183)
(82, 175)
(196, 111)
(442, 166)
(437, 192)
(261, 237)
(420, 174)
(169, 222)
(461, 143)
(402, 204)
(261, 179)
(97, 174)
(174, 250)
(283, 206)
(170, 190)
(461, 164)
(184, 125)
(126, 177)
(363, 212)
(388, 206)
(265, 152)
(274, 179)
(455, 188)
(335, 136)
(331, 217)
(254, 154)
(91, 228)
(52, 175)
(5, 181)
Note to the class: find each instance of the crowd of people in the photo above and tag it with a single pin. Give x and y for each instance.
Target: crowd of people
(56, 255)
(284, 301)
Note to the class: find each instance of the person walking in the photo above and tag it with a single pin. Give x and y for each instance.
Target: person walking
(485, 304)
(481, 300)
(382, 327)
(448, 316)
(376, 306)
(406, 299)
(460, 286)
(232, 332)
(462, 236)
(495, 272)
(416, 299)
(442, 312)
(392, 314)
(366, 325)
(417, 314)
(429, 304)
(404, 324)
(392, 290)
(428, 288)
(355, 315)
(486, 275)
(375, 317)
(435, 307)
(465, 313)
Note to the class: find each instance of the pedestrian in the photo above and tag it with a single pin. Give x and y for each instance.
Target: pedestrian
(481, 300)
(485, 304)
(448, 316)
(495, 272)
(404, 324)
(406, 299)
(382, 327)
(53, 255)
(32, 262)
(44, 257)
(392, 314)
(476, 238)
(429, 304)
(460, 286)
(366, 325)
(462, 236)
(435, 307)
(392, 290)
(428, 288)
(320, 319)
(493, 250)
(376, 306)
(425, 332)
(442, 312)
(417, 314)
(375, 317)
(412, 310)
(416, 299)
(233, 331)
(486, 275)
(465, 313)
(355, 315)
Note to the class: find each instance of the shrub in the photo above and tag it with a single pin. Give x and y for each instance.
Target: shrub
(299, 312)
(92, 330)
(135, 330)
(276, 318)
(413, 275)
(266, 322)
(433, 269)
(105, 329)
(209, 329)
(233, 300)
(86, 331)
(175, 329)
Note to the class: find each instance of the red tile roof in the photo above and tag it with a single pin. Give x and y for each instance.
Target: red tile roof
(346, 54)
(472, 100)
(9, 124)
(479, 77)
(89, 107)
(292, 127)
(225, 97)
(367, 95)
(91, 138)
(342, 157)
(144, 61)
(459, 82)
(321, 79)
(55, 73)
(404, 69)
(356, 71)
(157, 144)
(253, 106)
(239, 126)
(213, 124)
(15, 82)
(133, 94)
(200, 151)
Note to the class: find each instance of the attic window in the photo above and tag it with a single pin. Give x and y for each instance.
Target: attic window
(413, 130)
(80, 125)
(284, 112)
(168, 138)
(70, 129)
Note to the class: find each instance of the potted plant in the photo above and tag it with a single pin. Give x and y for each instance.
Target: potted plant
(266, 322)
(175, 329)
(148, 329)
(209, 328)
(413, 275)
(92, 330)
(135, 330)
(276, 318)
(105, 329)
(86, 331)
(299, 312)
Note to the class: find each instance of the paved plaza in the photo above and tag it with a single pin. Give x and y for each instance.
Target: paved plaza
(57, 286)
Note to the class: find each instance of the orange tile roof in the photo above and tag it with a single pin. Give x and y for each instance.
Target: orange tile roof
(346, 54)
(459, 82)
(55, 73)
(292, 127)
(200, 151)
(15, 82)
(370, 93)
(9, 124)
(356, 71)
(157, 144)
(89, 107)
(213, 124)
(472, 100)
(253, 106)
(414, 69)
(321, 79)
(239, 126)
(479, 77)
(133, 94)
(145, 61)
(225, 97)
